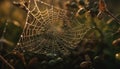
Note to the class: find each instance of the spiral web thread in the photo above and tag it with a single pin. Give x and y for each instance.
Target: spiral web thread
(49, 30)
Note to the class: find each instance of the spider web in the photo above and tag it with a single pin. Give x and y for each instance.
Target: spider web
(49, 30)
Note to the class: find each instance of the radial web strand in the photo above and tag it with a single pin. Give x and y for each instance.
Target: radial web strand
(49, 30)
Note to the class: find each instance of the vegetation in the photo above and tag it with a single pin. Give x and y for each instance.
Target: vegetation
(99, 49)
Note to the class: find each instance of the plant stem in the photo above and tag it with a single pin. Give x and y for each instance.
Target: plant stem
(5, 61)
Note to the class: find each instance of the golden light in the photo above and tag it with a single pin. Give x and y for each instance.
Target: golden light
(117, 56)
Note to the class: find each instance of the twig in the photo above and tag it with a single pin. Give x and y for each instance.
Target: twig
(111, 15)
(103, 9)
(5, 61)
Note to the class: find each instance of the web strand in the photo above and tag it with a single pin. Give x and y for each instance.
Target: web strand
(49, 30)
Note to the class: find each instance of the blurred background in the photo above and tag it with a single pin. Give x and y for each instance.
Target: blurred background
(100, 49)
